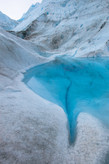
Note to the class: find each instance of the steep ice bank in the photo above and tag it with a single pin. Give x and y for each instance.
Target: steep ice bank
(80, 85)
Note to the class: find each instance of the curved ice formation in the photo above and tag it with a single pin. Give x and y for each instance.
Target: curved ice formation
(77, 85)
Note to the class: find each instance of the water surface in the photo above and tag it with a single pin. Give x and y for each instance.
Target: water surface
(77, 85)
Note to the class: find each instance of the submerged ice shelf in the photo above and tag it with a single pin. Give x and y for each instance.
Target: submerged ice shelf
(77, 85)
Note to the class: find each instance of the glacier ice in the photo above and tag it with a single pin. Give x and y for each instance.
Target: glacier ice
(67, 26)
(28, 13)
(6, 22)
(77, 85)
(33, 124)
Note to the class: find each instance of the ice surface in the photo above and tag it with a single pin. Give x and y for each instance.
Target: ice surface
(34, 130)
(28, 13)
(6, 22)
(80, 85)
(68, 26)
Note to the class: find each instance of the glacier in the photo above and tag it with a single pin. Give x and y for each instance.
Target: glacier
(54, 84)
(79, 28)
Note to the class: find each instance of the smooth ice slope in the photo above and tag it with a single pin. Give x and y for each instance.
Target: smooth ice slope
(76, 85)
(15, 55)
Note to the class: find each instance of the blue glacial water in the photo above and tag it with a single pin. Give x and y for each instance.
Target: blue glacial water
(77, 85)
